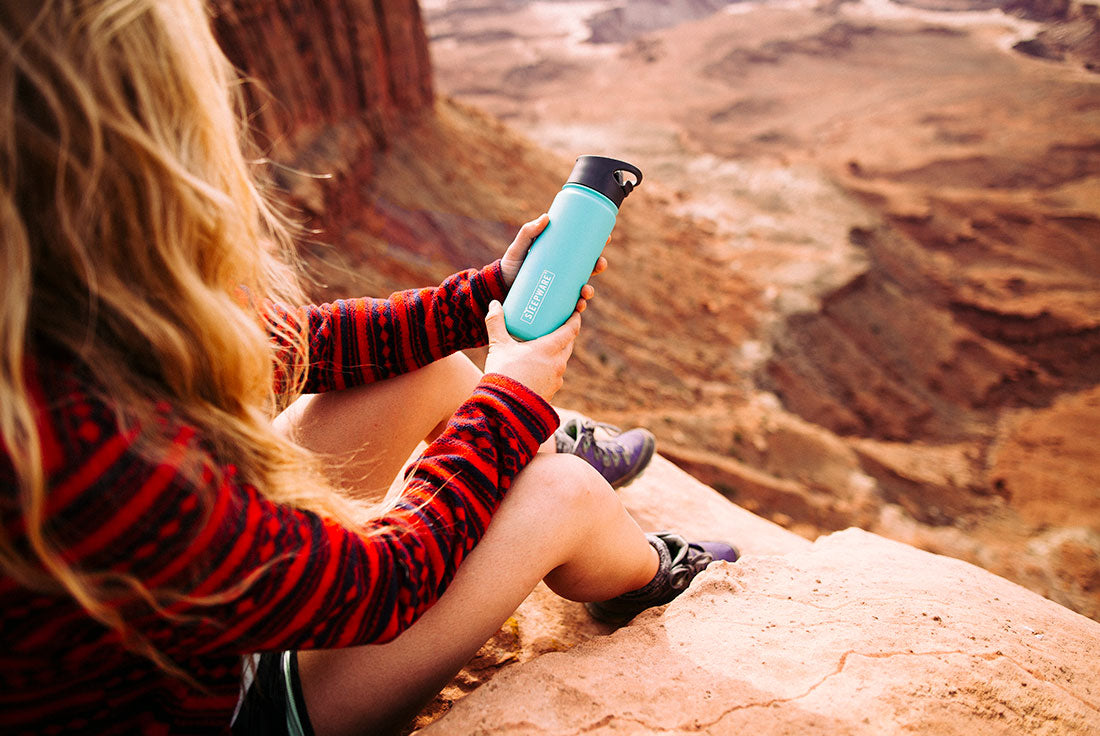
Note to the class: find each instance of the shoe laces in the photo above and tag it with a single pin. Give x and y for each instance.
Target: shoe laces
(586, 437)
(687, 560)
(607, 452)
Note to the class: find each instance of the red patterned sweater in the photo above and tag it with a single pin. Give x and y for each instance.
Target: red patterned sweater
(110, 509)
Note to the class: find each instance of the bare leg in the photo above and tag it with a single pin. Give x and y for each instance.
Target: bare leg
(366, 433)
(560, 522)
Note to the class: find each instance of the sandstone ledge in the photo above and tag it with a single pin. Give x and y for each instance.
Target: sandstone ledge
(850, 634)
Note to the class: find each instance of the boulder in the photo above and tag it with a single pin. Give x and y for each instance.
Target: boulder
(664, 497)
(850, 634)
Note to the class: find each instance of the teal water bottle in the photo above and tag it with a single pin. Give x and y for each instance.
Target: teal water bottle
(561, 259)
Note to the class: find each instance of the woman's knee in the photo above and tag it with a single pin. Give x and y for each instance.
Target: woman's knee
(564, 485)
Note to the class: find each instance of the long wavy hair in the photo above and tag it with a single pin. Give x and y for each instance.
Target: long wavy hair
(135, 237)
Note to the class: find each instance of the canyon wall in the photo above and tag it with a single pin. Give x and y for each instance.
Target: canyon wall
(330, 84)
(888, 316)
(326, 63)
(887, 319)
(910, 200)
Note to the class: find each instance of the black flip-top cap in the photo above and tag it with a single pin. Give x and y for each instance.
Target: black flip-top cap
(605, 175)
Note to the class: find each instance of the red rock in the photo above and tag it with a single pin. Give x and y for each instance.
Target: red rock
(328, 63)
(917, 307)
(854, 634)
(915, 205)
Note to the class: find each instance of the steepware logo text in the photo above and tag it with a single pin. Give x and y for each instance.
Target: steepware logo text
(533, 304)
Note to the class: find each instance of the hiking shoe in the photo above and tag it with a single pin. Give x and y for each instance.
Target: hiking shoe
(680, 562)
(620, 458)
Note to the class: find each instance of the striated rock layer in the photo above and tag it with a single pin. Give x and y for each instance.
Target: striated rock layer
(331, 83)
(328, 62)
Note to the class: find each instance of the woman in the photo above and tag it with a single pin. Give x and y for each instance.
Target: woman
(157, 525)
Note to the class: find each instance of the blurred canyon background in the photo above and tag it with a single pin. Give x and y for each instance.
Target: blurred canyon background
(859, 286)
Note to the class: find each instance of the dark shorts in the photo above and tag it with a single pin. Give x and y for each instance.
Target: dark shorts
(273, 703)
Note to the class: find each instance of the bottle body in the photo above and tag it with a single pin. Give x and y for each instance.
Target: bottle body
(559, 262)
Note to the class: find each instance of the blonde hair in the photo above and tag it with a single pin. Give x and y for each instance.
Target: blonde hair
(135, 238)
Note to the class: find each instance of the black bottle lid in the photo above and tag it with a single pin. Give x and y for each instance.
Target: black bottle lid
(605, 175)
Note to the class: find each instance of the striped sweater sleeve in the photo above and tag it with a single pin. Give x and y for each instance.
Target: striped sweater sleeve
(357, 341)
(258, 576)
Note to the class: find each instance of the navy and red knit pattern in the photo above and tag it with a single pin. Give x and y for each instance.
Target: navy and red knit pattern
(356, 341)
(277, 577)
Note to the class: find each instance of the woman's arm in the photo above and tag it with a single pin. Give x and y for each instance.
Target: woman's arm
(357, 341)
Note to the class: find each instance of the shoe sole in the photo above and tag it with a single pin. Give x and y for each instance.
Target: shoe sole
(599, 614)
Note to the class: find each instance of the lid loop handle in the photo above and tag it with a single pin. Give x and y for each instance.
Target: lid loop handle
(628, 186)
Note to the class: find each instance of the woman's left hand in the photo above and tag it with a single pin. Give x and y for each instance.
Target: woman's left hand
(517, 251)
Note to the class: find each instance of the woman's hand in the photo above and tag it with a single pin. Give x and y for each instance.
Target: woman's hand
(517, 251)
(537, 364)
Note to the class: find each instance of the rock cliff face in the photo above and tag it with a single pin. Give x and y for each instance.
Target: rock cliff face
(333, 83)
(326, 63)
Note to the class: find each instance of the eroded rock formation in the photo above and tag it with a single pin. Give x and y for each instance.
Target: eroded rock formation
(331, 85)
(422, 187)
(912, 208)
(326, 63)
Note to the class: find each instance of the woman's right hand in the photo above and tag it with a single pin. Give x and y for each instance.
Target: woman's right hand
(537, 364)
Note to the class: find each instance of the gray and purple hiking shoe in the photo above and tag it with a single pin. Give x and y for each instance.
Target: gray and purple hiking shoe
(619, 458)
(680, 562)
